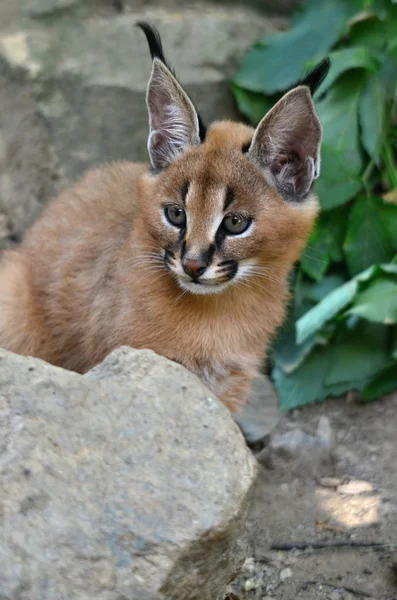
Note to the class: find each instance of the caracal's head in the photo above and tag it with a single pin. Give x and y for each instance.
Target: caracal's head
(230, 203)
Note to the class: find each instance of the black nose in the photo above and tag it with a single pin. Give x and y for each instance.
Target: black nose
(194, 268)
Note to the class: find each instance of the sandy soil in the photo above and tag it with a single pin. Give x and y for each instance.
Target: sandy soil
(294, 504)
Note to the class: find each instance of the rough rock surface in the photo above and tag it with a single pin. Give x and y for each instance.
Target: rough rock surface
(73, 75)
(128, 483)
(260, 415)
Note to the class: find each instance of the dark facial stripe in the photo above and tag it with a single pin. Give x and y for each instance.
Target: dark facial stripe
(229, 199)
(208, 254)
(220, 236)
(204, 255)
(184, 191)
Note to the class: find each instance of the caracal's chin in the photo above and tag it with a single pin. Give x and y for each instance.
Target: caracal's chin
(203, 287)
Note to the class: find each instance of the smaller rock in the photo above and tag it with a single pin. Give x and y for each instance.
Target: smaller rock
(335, 595)
(292, 443)
(250, 584)
(249, 565)
(325, 431)
(301, 453)
(285, 574)
(330, 482)
(260, 415)
(355, 487)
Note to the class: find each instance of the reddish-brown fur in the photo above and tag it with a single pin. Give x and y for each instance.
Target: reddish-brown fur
(80, 284)
(106, 265)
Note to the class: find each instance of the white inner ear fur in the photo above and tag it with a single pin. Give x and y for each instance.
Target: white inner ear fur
(286, 143)
(173, 120)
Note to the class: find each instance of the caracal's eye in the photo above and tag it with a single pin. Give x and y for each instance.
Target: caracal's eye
(235, 224)
(176, 216)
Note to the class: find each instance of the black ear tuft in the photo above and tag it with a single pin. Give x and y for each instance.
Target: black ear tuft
(314, 78)
(156, 51)
(154, 42)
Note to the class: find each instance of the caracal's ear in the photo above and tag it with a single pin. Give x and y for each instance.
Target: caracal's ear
(174, 124)
(286, 143)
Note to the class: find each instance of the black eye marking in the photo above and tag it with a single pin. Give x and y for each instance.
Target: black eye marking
(229, 199)
(181, 234)
(246, 147)
(220, 237)
(184, 191)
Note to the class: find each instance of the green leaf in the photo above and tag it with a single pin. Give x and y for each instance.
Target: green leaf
(336, 184)
(386, 10)
(372, 115)
(325, 243)
(372, 32)
(316, 258)
(303, 386)
(345, 59)
(285, 352)
(388, 73)
(338, 113)
(332, 304)
(383, 383)
(336, 301)
(357, 354)
(252, 105)
(368, 240)
(388, 216)
(316, 291)
(277, 66)
(394, 342)
(348, 363)
(378, 302)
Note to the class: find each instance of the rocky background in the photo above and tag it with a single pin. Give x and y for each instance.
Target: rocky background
(73, 75)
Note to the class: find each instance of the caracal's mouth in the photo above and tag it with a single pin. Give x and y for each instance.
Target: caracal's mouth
(201, 286)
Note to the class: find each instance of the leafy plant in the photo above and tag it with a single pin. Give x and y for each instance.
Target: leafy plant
(341, 331)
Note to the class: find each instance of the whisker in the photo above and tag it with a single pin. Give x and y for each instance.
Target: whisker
(314, 258)
(316, 250)
(244, 283)
(264, 275)
(150, 260)
(154, 265)
(153, 270)
(179, 296)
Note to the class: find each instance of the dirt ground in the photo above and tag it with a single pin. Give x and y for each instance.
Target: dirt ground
(293, 503)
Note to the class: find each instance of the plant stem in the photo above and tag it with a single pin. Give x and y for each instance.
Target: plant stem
(387, 155)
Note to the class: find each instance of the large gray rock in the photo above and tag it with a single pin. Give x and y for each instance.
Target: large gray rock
(129, 483)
